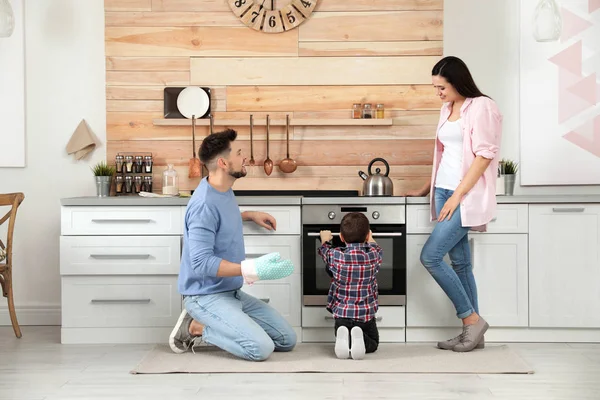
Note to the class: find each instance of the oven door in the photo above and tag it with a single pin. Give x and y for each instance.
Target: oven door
(391, 278)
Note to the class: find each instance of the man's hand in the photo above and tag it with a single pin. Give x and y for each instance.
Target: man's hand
(326, 236)
(265, 220)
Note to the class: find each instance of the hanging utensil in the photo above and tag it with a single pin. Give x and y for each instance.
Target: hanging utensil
(287, 165)
(268, 162)
(195, 168)
(252, 162)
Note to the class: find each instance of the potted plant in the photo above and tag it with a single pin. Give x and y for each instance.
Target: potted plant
(103, 174)
(509, 168)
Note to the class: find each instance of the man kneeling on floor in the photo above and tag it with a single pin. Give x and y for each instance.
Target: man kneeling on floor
(213, 266)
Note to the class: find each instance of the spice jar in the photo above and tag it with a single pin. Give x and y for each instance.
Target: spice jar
(128, 184)
(367, 111)
(170, 181)
(119, 163)
(139, 164)
(137, 180)
(119, 184)
(129, 164)
(147, 185)
(356, 111)
(148, 164)
(379, 111)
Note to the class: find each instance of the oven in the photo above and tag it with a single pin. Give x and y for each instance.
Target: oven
(389, 231)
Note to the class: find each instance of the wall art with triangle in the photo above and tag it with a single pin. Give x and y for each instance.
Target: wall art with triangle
(560, 98)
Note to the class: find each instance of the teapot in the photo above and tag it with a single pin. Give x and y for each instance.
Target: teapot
(377, 184)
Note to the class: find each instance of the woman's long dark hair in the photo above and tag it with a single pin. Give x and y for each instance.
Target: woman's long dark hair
(455, 71)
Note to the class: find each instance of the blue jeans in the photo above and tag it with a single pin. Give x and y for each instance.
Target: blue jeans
(450, 237)
(241, 324)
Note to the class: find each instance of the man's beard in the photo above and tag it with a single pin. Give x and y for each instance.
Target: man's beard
(237, 174)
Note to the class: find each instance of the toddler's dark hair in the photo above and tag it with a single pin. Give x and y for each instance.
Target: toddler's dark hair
(355, 227)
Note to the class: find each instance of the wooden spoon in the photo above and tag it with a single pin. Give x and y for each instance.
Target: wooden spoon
(287, 165)
(251, 147)
(268, 161)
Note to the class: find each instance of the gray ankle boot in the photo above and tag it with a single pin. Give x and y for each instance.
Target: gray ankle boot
(471, 336)
(450, 343)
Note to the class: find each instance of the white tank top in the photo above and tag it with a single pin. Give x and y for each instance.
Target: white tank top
(449, 173)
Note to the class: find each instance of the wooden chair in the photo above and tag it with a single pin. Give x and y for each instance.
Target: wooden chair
(14, 200)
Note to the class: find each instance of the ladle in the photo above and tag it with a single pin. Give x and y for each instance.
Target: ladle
(287, 165)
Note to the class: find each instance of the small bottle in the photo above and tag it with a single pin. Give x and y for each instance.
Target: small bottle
(148, 184)
(170, 181)
(128, 184)
(148, 164)
(119, 164)
(137, 180)
(139, 164)
(129, 164)
(356, 111)
(380, 111)
(367, 111)
(119, 184)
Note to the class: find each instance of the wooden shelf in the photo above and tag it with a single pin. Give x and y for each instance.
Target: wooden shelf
(276, 122)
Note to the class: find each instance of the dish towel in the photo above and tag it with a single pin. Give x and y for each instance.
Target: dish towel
(82, 141)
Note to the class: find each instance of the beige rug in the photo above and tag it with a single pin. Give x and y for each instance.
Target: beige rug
(319, 357)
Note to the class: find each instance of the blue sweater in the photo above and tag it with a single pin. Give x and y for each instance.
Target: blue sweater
(212, 232)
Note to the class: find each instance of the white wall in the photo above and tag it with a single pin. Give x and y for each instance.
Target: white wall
(485, 34)
(65, 82)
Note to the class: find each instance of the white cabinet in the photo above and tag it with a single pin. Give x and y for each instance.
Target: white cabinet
(564, 265)
(500, 268)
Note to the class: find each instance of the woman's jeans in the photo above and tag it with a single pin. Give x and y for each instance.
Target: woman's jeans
(450, 237)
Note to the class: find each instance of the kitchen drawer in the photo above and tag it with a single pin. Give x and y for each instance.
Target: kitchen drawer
(287, 217)
(127, 220)
(283, 295)
(387, 317)
(119, 255)
(287, 246)
(510, 218)
(120, 301)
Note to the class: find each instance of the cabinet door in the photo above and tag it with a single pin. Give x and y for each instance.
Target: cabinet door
(564, 265)
(287, 246)
(500, 268)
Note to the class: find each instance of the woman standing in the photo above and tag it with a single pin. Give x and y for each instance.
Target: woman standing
(463, 191)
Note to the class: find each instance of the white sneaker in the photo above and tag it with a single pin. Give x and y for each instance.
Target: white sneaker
(342, 344)
(358, 343)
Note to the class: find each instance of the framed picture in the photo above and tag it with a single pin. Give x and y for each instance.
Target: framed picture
(560, 96)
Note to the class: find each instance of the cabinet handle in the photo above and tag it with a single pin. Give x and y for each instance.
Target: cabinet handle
(266, 299)
(328, 318)
(123, 220)
(120, 301)
(120, 256)
(568, 209)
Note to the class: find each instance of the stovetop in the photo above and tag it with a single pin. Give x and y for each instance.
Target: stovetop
(303, 193)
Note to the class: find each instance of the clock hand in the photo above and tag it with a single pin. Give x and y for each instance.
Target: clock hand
(272, 5)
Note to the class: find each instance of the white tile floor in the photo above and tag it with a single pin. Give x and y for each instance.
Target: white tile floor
(38, 367)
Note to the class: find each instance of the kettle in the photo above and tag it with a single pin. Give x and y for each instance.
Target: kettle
(377, 184)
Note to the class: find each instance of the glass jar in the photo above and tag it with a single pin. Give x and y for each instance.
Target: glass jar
(367, 111)
(119, 184)
(148, 164)
(128, 184)
(356, 111)
(147, 185)
(137, 181)
(170, 181)
(380, 111)
(119, 164)
(139, 164)
(129, 164)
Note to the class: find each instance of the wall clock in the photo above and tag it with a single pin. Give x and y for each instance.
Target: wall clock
(263, 16)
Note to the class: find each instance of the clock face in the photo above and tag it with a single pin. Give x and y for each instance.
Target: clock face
(265, 16)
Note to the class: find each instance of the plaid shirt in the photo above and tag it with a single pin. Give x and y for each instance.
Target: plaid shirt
(353, 269)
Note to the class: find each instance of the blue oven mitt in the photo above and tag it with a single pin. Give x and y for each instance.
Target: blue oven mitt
(267, 267)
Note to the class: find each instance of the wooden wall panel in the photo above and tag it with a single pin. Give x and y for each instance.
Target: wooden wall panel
(372, 26)
(312, 71)
(312, 98)
(377, 51)
(370, 49)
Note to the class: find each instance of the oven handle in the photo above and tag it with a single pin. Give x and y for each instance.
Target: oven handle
(375, 234)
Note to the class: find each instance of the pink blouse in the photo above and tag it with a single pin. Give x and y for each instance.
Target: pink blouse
(482, 134)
